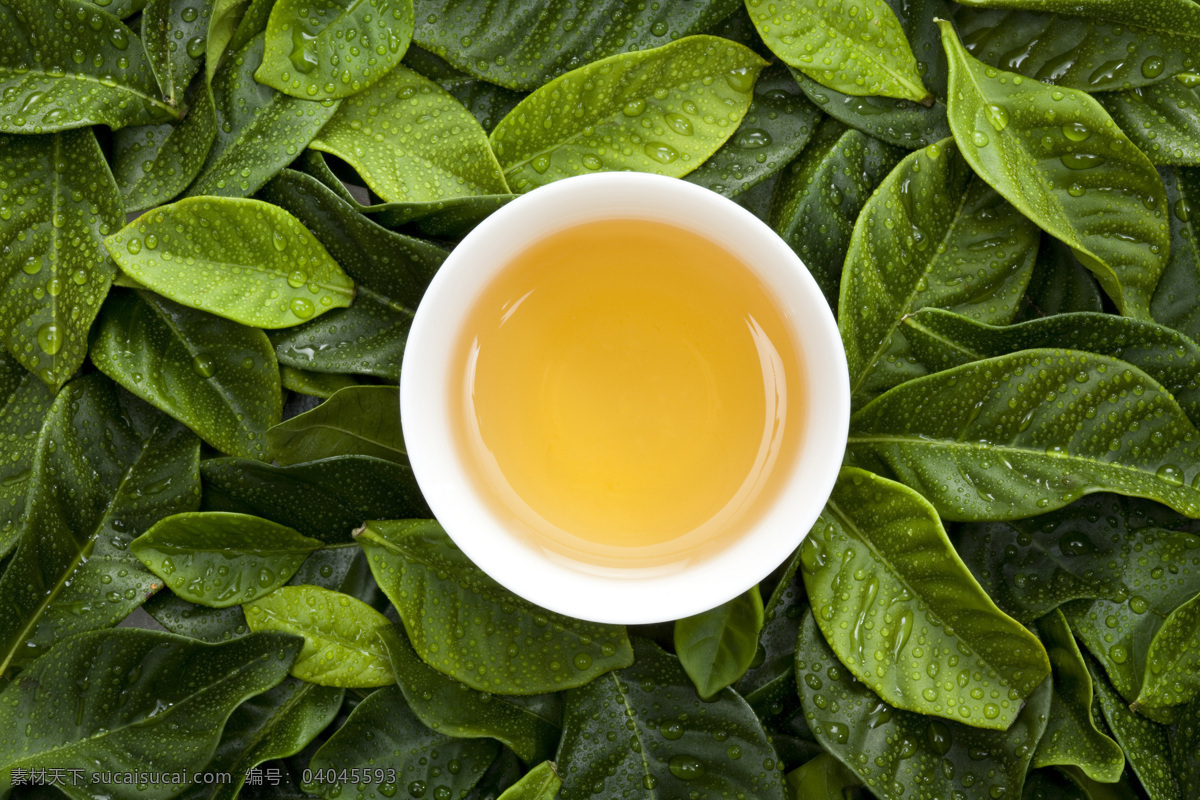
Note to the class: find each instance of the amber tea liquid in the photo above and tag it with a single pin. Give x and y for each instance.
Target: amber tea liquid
(630, 394)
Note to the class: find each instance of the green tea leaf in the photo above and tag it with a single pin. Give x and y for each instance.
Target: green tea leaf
(1060, 284)
(244, 260)
(324, 499)
(382, 735)
(1185, 750)
(1056, 155)
(224, 18)
(45, 88)
(314, 384)
(259, 130)
(510, 646)
(1057, 784)
(358, 420)
(220, 559)
(932, 235)
(454, 709)
(1174, 301)
(901, 610)
(1163, 120)
(899, 754)
(411, 141)
(777, 126)
(341, 642)
(716, 647)
(1030, 432)
(57, 203)
(522, 44)
(215, 376)
(540, 783)
(941, 340)
(487, 102)
(152, 698)
(856, 49)
(173, 32)
(505, 772)
(1173, 660)
(821, 194)
(1072, 738)
(664, 111)
(642, 732)
(823, 778)
(769, 685)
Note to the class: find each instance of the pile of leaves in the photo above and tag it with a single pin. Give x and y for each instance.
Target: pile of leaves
(217, 218)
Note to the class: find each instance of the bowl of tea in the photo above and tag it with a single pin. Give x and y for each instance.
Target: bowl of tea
(625, 398)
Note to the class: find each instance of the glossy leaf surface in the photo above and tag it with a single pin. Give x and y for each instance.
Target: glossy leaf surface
(173, 33)
(823, 778)
(540, 783)
(1173, 299)
(1163, 120)
(357, 420)
(314, 384)
(488, 102)
(717, 646)
(1185, 750)
(511, 646)
(1173, 661)
(1145, 743)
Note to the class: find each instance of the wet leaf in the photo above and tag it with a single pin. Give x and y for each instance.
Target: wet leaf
(522, 44)
(1174, 301)
(57, 203)
(820, 195)
(1173, 661)
(45, 87)
(1030, 432)
(220, 559)
(382, 734)
(333, 48)
(508, 645)
(898, 754)
(642, 732)
(144, 688)
(215, 376)
(540, 783)
(314, 384)
(487, 102)
(1185, 750)
(341, 642)
(357, 420)
(905, 615)
(1072, 738)
(454, 709)
(769, 685)
(663, 111)
(244, 260)
(1060, 284)
(823, 778)
(932, 235)
(717, 646)
(1163, 120)
(173, 32)
(857, 49)
(1056, 155)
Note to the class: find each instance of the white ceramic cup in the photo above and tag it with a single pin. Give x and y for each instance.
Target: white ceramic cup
(548, 579)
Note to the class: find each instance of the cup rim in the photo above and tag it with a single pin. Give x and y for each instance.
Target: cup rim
(554, 582)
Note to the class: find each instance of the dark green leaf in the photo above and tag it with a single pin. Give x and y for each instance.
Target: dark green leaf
(1030, 432)
(932, 235)
(663, 111)
(220, 559)
(540, 783)
(1173, 661)
(215, 376)
(1054, 784)
(212, 625)
(1060, 284)
(244, 260)
(505, 771)
(643, 733)
(333, 48)
(383, 734)
(314, 384)
(1056, 155)
(57, 202)
(488, 102)
(454, 709)
(152, 699)
(769, 686)
(510, 645)
(1185, 750)
(358, 420)
(522, 44)
(173, 32)
(898, 754)
(716, 647)
(1174, 301)
(44, 87)
(1163, 120)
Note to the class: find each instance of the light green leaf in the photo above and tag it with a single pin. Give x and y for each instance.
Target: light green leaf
(643, 733)
(1173, 660)
(314, 384)
(823, 778)
(153, 698)
(245, 260)
(510, 645)
(1163, 120)
(382, 735)
(906, 756)
(540, 783)
(663, 111)
(1072, 738)
(220, 559)
(411, 141)
(59, 201)
(173, 32)
(1056, 155)
(215, 376)
(333, 48)
(224, 18)
(1027, 433)
(357, 420)
(857, 49)
(932, 235)
(716, 647)
(454, 709)
(486, 101)
(341, 641)
(906, 617)
(44, 88)
(1174, 301)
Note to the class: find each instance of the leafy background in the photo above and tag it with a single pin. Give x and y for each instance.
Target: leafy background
(217, 218)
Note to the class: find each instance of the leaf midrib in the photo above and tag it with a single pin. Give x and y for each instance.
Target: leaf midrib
(632, 714)
(1176, 658)
(88, 78)
(331, 634)
(300, 430)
